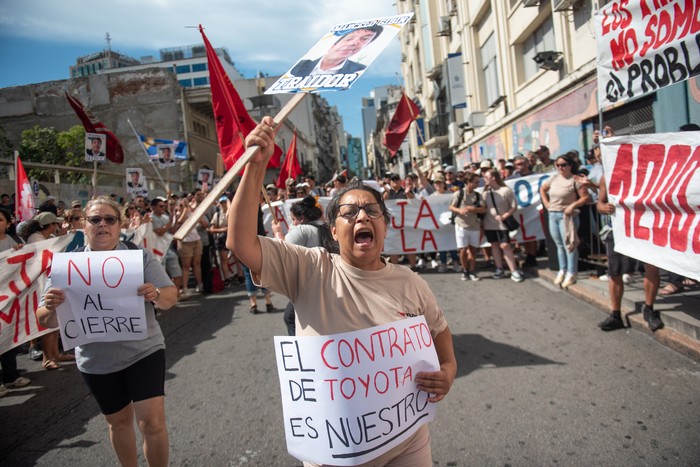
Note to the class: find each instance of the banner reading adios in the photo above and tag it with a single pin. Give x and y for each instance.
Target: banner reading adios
(655, 187)
(645, 45)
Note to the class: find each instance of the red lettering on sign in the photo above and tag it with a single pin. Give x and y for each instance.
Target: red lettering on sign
(621, 181)
(279, 215)
(428, 238)
(404, 248)
(104, 277)
(72, 265)
(401, 204)
(424, 211)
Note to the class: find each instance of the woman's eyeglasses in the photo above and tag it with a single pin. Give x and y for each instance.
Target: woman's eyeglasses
(562, 165)
(97, 220)
(351, 211)
(74, 218)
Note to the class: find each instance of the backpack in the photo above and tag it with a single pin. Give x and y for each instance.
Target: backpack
(459, 202)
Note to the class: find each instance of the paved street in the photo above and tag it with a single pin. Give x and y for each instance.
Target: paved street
(538, 384)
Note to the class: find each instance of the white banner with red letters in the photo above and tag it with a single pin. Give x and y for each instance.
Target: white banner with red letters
(644, 46)
(23, 275)
(423, 225)
(348, 398)
(654, 182)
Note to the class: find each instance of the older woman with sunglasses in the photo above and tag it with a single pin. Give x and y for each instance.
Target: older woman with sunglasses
(127, 378)
(562, 195)
(356, 289)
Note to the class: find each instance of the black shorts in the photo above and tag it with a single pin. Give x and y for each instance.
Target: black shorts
(143, 380)
(497, 236)
(618, 264)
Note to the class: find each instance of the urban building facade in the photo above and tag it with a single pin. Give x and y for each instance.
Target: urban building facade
(500, 77)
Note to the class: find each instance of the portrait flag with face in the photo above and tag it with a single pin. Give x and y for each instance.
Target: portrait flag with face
(405, 113)
(290, 166)
(24, 204)
(113, 151)
(232, 120)
(151, 146)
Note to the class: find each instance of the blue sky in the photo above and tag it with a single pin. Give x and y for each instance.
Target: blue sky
(40, 40)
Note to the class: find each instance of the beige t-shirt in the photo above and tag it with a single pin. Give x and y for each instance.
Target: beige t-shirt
(471, 220)
(505, 201)
(562, 192)
(331, 296)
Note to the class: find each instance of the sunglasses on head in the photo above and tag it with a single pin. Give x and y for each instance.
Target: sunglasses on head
(97, 220)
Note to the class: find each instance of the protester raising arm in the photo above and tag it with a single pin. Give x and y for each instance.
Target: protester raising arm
(243, 215)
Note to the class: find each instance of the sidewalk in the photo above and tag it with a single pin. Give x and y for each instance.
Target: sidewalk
(680, 312)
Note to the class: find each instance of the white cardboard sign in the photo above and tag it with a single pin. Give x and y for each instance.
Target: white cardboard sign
(350, 397)
(101, 303)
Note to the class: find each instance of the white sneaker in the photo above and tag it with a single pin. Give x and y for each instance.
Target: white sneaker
(434, 264)
(421, 263)
(3, 390)
(516, 276)
(456, 267)
(18, 383)
(568, 280)
(442, 268)
(199, 288)
(560, 278)
(603, 278)
(626, 278)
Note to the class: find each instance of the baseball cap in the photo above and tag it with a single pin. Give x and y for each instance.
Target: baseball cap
(223, 198)
(439, 178)
(450, 168)
(76, 203)
(47, 218)
(271, 186)
(485, 164)
(509, 164)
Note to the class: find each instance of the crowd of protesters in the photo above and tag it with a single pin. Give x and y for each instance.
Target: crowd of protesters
(480, 204)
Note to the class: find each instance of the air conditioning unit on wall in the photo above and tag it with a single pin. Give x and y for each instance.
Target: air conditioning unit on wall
(563, 5)
(531, 3)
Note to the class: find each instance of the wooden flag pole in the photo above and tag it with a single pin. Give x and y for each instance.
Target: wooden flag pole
(226, 180)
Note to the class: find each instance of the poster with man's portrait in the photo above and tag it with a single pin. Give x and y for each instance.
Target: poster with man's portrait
(166, 155)
(205, 179)
(341, 56)
(135, 181)
(95, 147)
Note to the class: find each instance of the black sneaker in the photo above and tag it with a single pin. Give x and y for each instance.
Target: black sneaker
(465, 276)
(653, 318)
(612, 323)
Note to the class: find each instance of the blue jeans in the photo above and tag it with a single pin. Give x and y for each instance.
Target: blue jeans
(251, 288)
(453, 255)
(568, 260)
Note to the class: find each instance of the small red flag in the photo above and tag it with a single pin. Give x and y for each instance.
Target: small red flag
(114, 151)
(406, 112)
(290, 167)
(24, 204)
(232, 120)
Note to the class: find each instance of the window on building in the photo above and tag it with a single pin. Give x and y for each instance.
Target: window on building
(489, 70)
(199, 67)
(425, 35)
(199, 128)
(180, 69)
(185, 83)
(201, 81)
(541, 39)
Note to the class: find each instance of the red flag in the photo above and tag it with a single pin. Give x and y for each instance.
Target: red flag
(232, 120)
(114, 151)
(406, 112)
(290, 167)
(24, 204)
